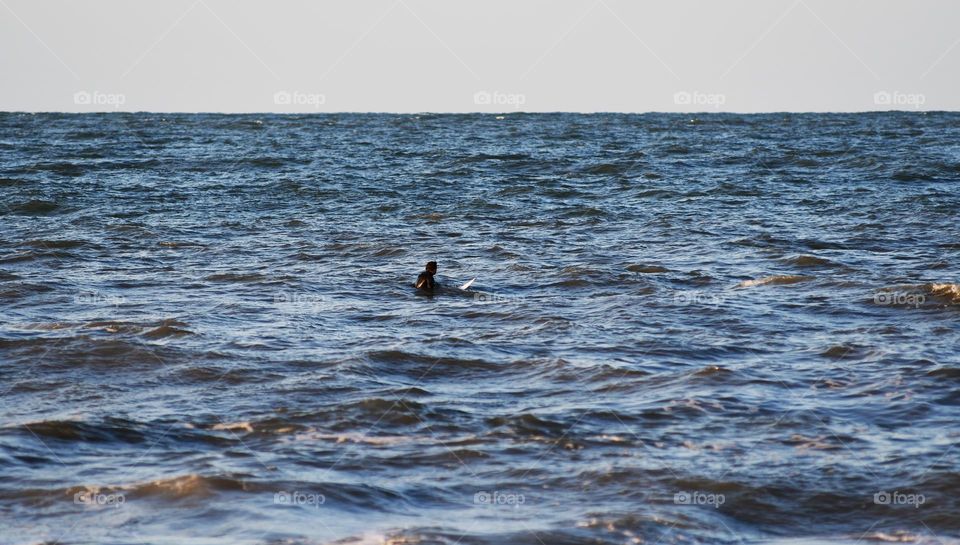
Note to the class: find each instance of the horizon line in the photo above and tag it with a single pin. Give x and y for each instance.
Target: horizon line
(502, 113)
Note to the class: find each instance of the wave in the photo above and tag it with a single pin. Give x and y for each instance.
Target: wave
(122, 431)
(484, 157)
(203, 374)
(711, 371)
(35, 207)
(647, 269)
(164, 328)
(267, 426)
(945, 291)
(395, 357)
(775, 280)
(86, 135)
(193, 486)
(175, 488)
(143, 164)
(905, 175)
(60, 244)
(609, 168)
(61, 168)
(530, 426)
(236, 277)
(165, 331)
(23, 290)
(32, 255)
(233, 426)
(584, 211)
(241, 123)
(187, 486)
(180, 244)
(948, 291)
(364, 439)
(582, 275)
(109, 430)
(888, 536)
(676, 149)
(846, 352)
(659, 193)
(901, 536)
(275, 162)
(810, 261)
(572, 283)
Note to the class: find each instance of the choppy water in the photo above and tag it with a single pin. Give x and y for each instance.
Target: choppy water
(718, 329)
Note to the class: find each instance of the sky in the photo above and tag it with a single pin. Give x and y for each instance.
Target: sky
(486, 56)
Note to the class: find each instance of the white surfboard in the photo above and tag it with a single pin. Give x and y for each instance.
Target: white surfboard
(468, 284)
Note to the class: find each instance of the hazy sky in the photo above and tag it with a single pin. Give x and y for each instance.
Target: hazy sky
(490, 55)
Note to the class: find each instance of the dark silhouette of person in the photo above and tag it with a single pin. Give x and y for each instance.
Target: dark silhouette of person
(425, 281)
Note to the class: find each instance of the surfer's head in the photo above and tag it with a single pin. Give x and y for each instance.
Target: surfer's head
(432, 267)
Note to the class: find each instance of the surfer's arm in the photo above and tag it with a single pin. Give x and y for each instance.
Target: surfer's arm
(424, 281)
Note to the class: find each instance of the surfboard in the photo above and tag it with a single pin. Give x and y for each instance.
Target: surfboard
(468, 284)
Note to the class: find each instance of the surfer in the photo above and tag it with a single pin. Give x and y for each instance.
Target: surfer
(425, 281)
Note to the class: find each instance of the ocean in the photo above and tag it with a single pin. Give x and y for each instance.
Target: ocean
(701, 328)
